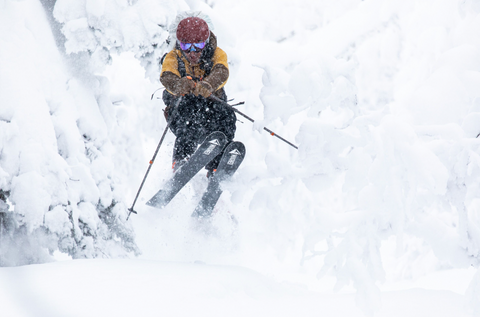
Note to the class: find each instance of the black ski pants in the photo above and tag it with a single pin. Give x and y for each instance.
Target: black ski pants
(193, 118)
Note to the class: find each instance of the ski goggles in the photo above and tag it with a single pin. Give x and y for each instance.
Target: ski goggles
(192, 46)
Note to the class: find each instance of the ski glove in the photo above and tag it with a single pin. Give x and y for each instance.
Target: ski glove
(184, 86)
(203, 88)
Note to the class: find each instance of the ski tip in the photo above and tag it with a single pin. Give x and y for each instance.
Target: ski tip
(155, 203)
(237, 147)
(217, 134)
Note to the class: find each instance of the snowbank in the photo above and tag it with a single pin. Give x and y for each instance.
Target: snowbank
(146, 288)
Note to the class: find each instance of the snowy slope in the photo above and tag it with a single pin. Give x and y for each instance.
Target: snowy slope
(381, 97)
(150, 288)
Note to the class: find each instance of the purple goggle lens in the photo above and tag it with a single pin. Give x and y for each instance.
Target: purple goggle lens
(192, 46)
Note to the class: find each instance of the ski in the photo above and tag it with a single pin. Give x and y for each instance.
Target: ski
(208, 150)
(231, 159)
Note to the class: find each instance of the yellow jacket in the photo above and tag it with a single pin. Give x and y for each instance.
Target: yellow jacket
(219, 69)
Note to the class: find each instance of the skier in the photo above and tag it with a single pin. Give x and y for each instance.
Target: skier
(204, 126)
(194, 74)
(194, 70)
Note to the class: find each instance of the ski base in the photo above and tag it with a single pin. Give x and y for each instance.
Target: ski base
(208, 150)
(232, 158)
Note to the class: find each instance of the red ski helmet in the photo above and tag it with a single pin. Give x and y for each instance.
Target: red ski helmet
(192, 30)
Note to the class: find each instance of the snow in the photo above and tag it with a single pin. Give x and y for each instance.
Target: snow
(376, 214)
(152, 288)
(55, 145)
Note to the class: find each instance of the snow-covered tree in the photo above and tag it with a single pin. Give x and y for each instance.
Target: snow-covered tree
(388, 147)
(59, 184)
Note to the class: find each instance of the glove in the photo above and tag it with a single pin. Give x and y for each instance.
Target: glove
(185, 86)
(203, 88)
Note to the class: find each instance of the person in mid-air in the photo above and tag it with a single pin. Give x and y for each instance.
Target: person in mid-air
(193, 71)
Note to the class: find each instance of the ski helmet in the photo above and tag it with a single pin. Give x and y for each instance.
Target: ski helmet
(192, 30)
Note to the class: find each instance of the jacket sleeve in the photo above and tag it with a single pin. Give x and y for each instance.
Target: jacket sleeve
(170, 76)
(219, 74)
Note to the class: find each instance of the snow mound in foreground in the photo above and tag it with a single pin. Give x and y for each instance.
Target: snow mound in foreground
(150, 288)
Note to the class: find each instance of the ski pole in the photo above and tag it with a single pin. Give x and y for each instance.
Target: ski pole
(151, 98)
(148, 170)
(153, 158)
(250, 119)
